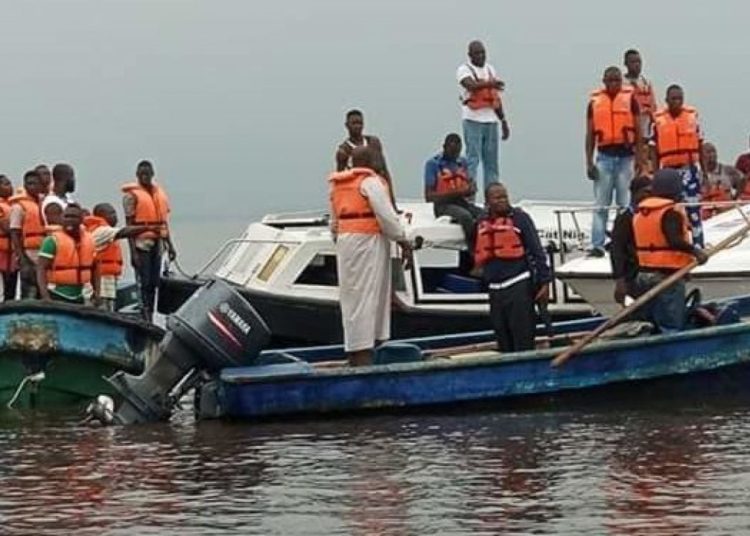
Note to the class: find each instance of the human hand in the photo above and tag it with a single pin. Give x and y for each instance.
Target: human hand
(620, 291)
(505, 129)
(592, 172)
(499, 85)
(407, 254)
(171, 254)
(542, 295)
(700, 256)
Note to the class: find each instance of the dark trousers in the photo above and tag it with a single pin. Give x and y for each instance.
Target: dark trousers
(463, 213)
(10, 281)
(148, 275)
(512, 316)
(29, 286)
(667, 309)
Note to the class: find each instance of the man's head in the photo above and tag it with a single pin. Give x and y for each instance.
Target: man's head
(6, 187)
(497, 198)
(452, 146)
(633, 62)
(640, 189)
(32, 184)
(44, 176)
(710, 155)
(63, 179)
(107, 212)
(362, 157)
(477, 53)
(667, 183)
(72, 218)
(144, 173)
(355, 123)
(675, 99)
(612, 80)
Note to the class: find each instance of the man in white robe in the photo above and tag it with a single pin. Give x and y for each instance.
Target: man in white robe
(364, 267)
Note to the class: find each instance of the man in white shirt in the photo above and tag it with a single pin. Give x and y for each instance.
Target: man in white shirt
(63, 186)
(481, 111)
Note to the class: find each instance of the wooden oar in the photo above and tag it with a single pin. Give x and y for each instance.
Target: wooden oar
(646, 297)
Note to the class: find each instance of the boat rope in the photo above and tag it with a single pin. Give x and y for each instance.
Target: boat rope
(34, 378)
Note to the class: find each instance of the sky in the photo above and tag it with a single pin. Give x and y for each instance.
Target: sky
(240, 104)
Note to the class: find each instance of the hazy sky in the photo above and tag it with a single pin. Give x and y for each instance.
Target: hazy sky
(240, 103)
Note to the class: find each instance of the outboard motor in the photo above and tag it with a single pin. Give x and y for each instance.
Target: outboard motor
(214, 329)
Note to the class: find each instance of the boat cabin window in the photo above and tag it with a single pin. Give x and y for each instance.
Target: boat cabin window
(320, 271)
(273, 262)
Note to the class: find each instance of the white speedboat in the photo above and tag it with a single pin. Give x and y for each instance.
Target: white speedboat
(286, 266)
(725, 275)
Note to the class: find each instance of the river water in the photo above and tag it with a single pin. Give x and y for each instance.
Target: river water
(667, 470)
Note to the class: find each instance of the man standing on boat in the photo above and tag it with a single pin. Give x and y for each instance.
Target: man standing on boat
(364, 223)
(355, 125)
(66, 260)
(514, 267)
(63, 186)
(27, 231)
(448, 186)
(643, 91)
(481, 112)
(623, 255)
(663, 246)
(612, 130)
(8, 270)
(146, 203)
(678, 145)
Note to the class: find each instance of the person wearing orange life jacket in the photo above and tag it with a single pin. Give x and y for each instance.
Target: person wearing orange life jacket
(721, 183)
(677, 142)
(449, 188)
(363, 223)
(146, 203)
(27, 231)
(611, 130)
(66, 260)
(643, 91)
(481, 111)
(108, 264)
(514, 267)
(8, 264)
(663, 245)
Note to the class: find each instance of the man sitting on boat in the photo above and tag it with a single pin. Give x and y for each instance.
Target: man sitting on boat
(721, 183)
(66, 259)
(664, 245)
(449, 188)
(363, 224)
(514, 267)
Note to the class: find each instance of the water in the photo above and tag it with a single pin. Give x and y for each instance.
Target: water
(665, 471)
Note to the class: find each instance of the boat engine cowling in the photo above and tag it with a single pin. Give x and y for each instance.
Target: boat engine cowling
(214, 329)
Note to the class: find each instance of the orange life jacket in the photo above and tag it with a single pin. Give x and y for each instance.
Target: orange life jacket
(5, 245)
(716, 192)
(151, 208)
(453, 181)
(644, 96)
(613, 119)
(33, 224)
(487, 97)
(677, 139)
(650, 242)
(109, 260)
(73, 260)
(351, 209)
(498, 238)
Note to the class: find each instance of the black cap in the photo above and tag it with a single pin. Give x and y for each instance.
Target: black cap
(667, 183)
(639, 183)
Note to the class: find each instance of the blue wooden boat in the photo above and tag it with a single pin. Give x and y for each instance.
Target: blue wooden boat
(53, 354)
(700, 362)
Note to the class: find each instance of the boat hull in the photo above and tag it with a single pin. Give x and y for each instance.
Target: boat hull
(706, 363)
(74, 347)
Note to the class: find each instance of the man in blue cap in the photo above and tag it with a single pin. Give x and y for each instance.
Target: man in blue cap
(663, 244)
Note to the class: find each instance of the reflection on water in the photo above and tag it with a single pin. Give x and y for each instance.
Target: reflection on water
(665, 472)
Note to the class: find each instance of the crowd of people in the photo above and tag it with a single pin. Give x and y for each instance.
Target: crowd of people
(53, 248)
(664, 177)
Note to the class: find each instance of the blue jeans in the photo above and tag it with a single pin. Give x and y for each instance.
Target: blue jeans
(667, 309)
(482, 143)
(615, 174)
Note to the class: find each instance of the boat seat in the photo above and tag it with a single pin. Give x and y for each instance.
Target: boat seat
(460, 284)
(397, 352)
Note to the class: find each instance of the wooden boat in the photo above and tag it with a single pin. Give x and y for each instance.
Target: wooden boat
(54, 354)
(701, 362)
